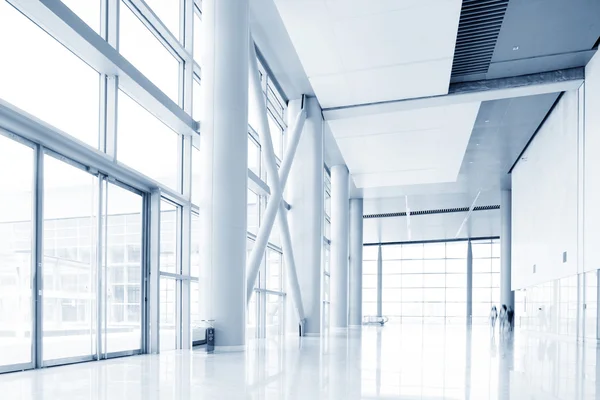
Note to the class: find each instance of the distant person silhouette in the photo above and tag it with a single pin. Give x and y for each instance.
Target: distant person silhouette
(493, 318)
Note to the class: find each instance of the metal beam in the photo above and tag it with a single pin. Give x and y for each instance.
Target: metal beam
(290, 261)
(275, 180)
(466, 92)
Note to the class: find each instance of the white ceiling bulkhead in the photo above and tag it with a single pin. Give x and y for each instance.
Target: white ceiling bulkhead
(363, 51)
(407, 147)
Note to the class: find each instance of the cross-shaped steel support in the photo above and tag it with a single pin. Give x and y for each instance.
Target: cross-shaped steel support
(277, 180)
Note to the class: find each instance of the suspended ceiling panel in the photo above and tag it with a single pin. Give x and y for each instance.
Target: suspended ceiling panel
(364, 51)
(412, 147)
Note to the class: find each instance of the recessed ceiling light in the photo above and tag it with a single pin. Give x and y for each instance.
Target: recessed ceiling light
(487, 120)
(515, 48)
(477, 144)
(470, 162)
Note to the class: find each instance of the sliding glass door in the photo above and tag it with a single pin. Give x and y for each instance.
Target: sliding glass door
(91, 274)
(16, 249)
(122, 271)
(69, 268)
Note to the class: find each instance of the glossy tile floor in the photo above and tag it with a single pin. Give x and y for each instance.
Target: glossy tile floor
(401, 362)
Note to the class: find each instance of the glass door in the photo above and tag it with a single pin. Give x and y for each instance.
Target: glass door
(16, 250)
(121, 316)
(68, 295)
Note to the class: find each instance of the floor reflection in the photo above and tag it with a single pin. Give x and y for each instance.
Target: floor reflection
(430, 362)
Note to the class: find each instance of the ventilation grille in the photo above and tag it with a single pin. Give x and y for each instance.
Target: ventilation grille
(428, 212)
(478, 28)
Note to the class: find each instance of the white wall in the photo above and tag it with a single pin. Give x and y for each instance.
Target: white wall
(545, 199)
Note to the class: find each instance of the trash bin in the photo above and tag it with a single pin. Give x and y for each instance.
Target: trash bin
(210, 340)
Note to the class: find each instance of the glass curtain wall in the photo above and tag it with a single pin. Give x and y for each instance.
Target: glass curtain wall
(86, 229)
(369, 281)
(266, 308)
(424, 283)
(486, 278)
(427, 282)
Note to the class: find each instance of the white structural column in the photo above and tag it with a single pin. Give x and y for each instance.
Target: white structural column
(340, 202)
(507, 296)
(305, 193)
(224, 172)
(356, 259)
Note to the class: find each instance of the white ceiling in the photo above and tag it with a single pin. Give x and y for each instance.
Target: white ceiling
(363, 51)
(406, 147)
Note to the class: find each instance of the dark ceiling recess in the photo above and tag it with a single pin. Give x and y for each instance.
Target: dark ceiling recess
(478, 29)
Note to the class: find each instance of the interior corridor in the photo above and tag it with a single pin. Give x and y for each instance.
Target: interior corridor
(430, 362)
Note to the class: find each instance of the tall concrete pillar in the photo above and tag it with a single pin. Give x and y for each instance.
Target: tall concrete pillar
(305, 193)
(224, 172)
(507, 296)
(340, 215)
(469, 282)
(356, 259)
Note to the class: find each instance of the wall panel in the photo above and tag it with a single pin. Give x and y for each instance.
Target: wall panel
(545, 187)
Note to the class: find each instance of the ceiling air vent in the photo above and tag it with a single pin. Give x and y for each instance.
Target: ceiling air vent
(478, 29)
(428, 212)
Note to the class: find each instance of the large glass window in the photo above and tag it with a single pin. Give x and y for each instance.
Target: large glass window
(421, 282)
(168, 13)
(15, 251)
(197, 37)
(253, 156)
(144, 50)
(195, 175)
(253, 212)
(168, 237)
(196, 98)
(168, 313)
(486, 278)
(274, 270)
(64, 93)
(276, 135)
(146, 144)
(369, 291)
(69, 266)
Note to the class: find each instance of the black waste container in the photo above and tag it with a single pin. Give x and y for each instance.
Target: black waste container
(210, 340)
